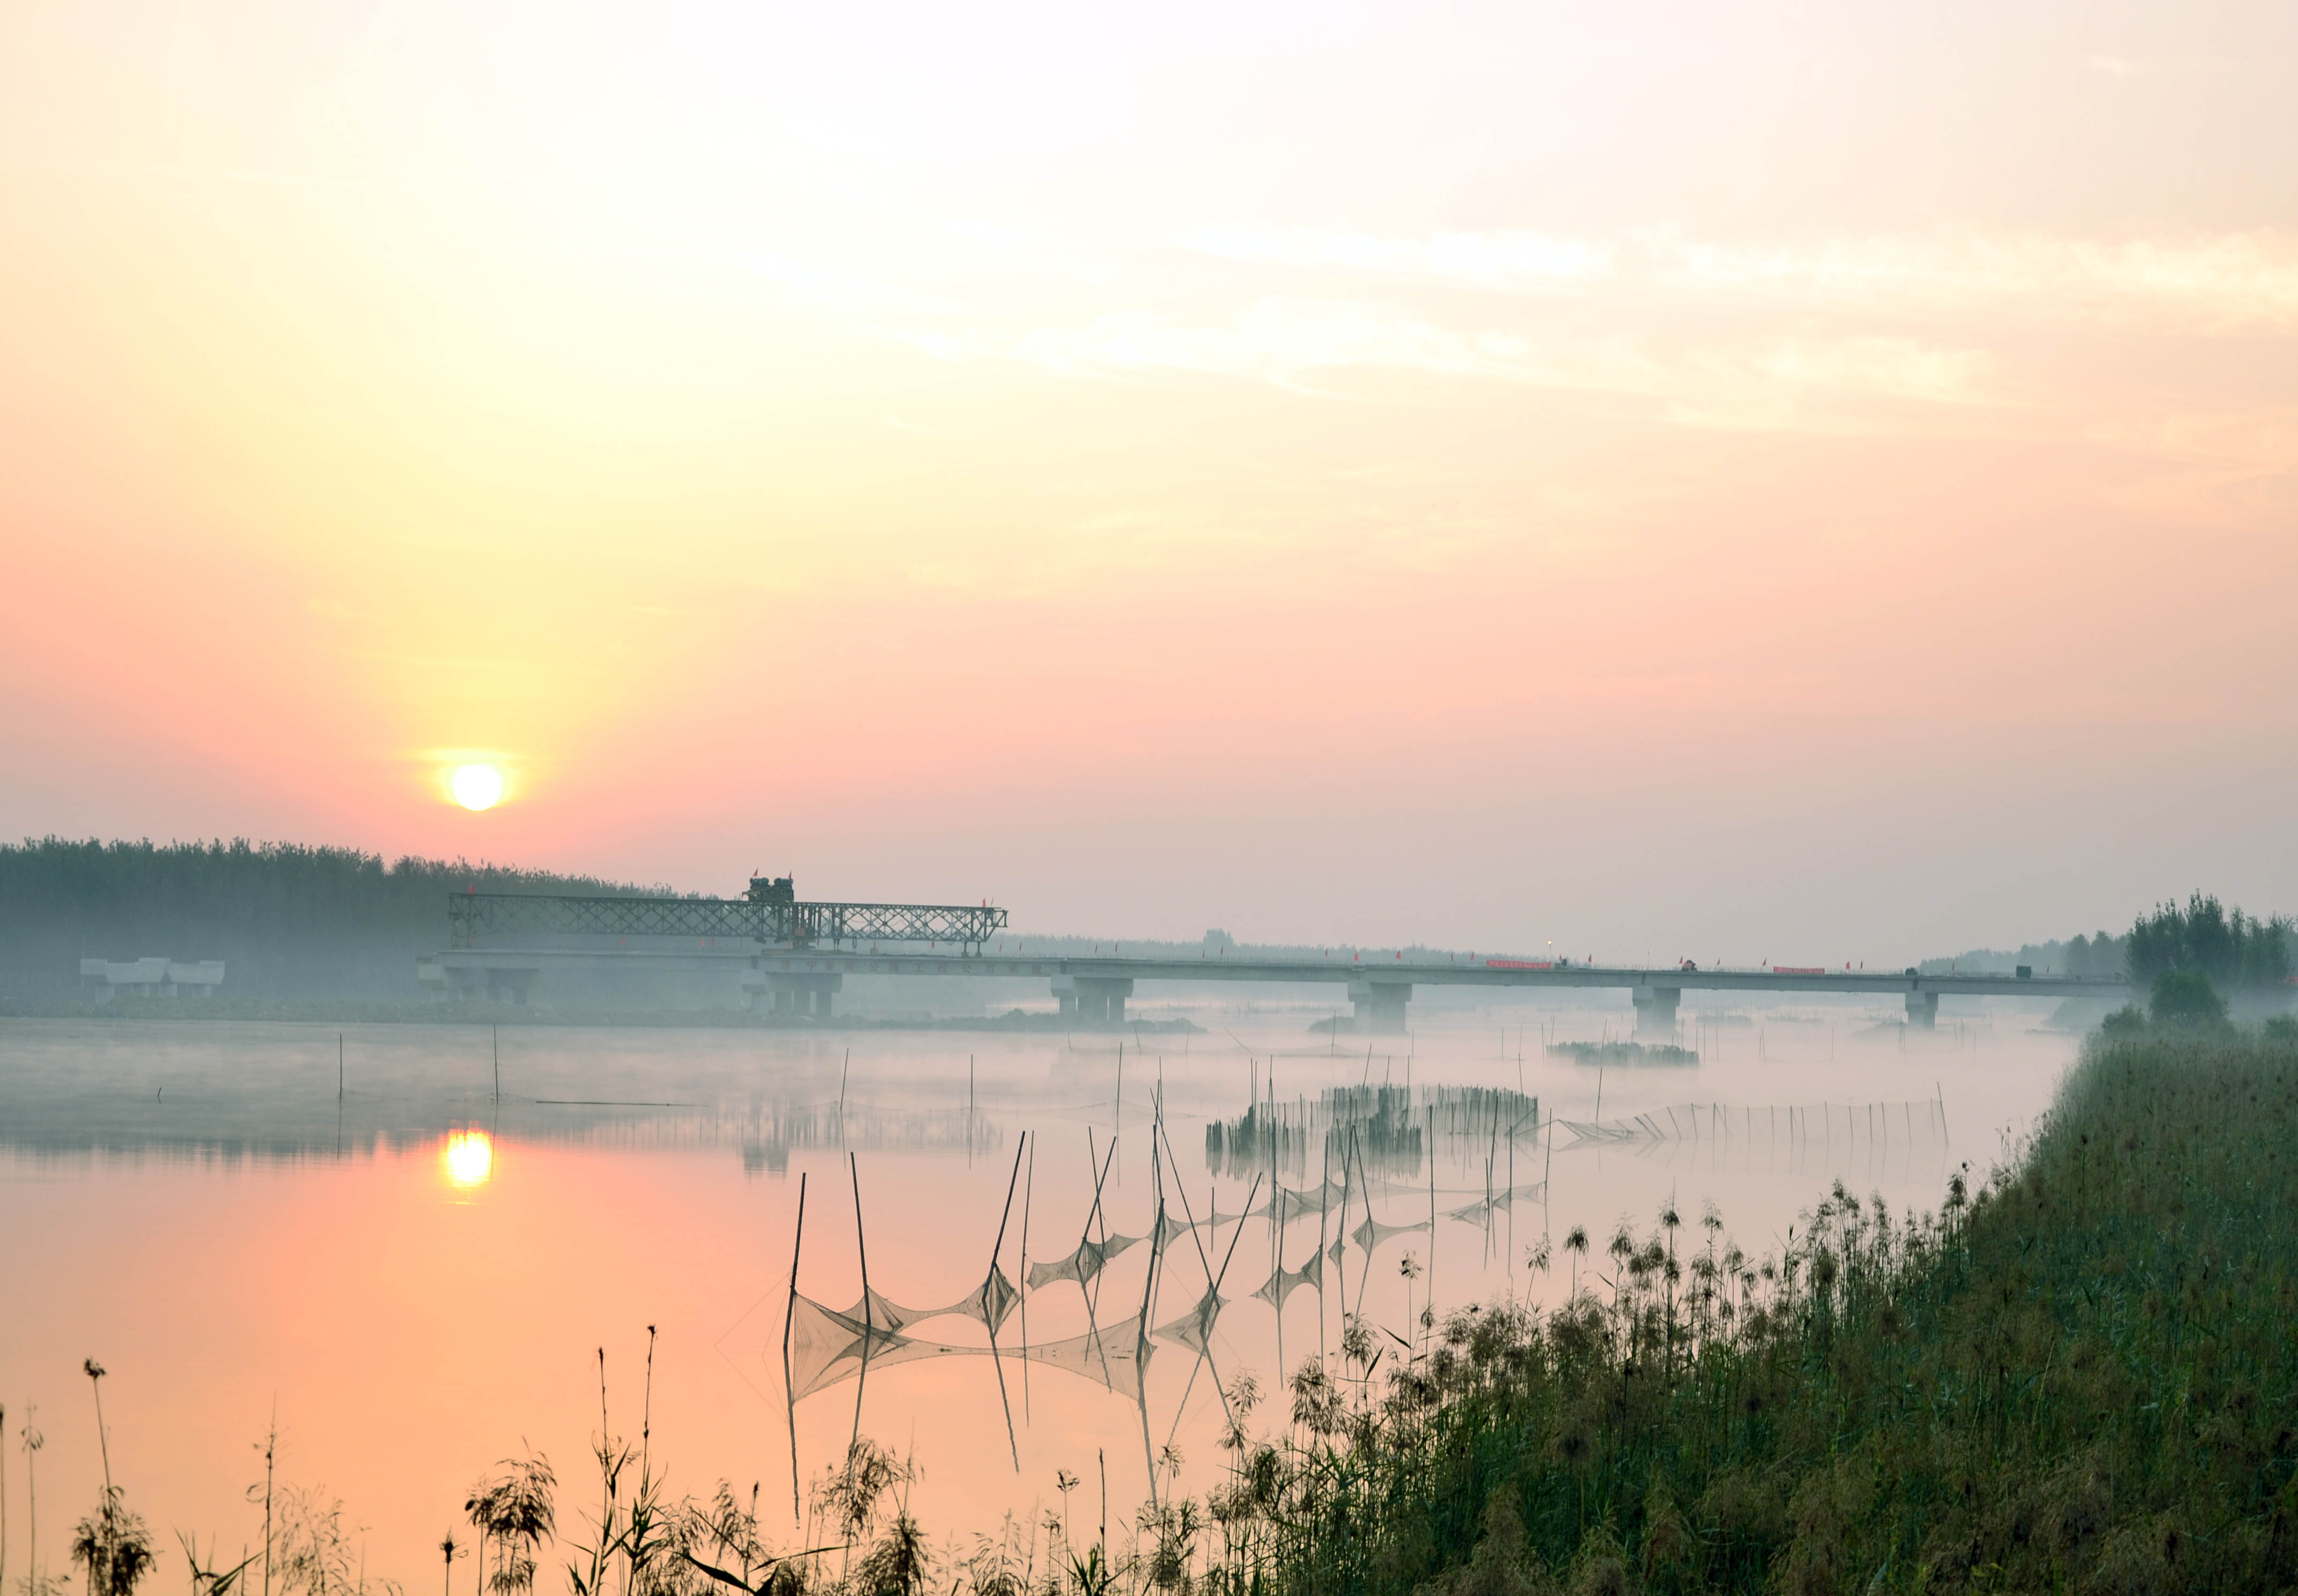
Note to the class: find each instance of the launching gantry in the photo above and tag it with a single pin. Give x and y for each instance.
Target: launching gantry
(684, 952)
(768, 913)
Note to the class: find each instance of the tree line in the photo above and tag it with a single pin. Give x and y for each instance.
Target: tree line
(288, 919)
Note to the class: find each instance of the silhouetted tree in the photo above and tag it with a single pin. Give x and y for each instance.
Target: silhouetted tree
(2236, 951)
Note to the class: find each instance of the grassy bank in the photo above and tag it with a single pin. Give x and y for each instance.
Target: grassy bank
(2080, 1376)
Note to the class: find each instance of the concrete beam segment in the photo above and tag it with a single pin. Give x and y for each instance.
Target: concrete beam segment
(1083, 987)
(1456, 972)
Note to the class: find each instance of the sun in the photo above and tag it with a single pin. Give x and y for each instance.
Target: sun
(477, 786)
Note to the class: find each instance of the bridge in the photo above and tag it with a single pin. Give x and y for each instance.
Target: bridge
(794, 957)
(1095, 990)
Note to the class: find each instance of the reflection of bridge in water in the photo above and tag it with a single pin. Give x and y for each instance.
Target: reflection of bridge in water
(792, 958)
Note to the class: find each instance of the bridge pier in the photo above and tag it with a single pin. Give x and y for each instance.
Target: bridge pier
(1923, 1010)
(1380, 1006)
(1656, 1012)
(1093, 1000)
(796, 996)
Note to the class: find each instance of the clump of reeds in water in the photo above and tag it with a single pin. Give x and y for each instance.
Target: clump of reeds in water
(1623, 1055)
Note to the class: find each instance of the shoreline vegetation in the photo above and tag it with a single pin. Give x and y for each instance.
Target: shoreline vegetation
(329, 1011)
(1625, 1055)
(2074, 1375)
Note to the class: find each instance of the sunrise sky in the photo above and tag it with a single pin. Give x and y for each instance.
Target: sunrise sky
(1807, 481)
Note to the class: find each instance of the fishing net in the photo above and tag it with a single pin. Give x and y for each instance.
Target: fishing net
(1115, 1356)
(1195, 1328)
(1483, 1209)
(1796, 1126)
(1081, 1266)
(1283, 1282)
(827, 1347)
(1372, 1232)
(987, 1304)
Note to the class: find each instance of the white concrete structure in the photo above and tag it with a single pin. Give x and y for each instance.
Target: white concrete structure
(152, 977)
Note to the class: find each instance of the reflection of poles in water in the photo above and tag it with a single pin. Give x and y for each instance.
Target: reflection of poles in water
(989, 1310)
(1432, 1205)
(1364, 1272)
(1148, 1300)
(869, 1321)
(1096, 1212)
(1548, 1192)
(1324, 1192)
(1275, 1261)
(1511, 1186)
(1029, 1187)
(1206, 1311)
(1341, 1242)
(797, 1241)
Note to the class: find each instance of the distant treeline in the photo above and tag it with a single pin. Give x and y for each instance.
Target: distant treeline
(2240, 952)
(288, 920)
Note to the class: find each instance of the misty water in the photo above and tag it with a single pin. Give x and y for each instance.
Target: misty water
(415, 1276)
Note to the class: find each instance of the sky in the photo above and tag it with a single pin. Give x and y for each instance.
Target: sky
(1811, 481)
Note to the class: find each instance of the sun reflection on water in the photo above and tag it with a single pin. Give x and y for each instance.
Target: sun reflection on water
(467, 1158)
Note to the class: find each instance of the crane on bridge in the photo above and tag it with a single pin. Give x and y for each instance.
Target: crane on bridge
(770, 913)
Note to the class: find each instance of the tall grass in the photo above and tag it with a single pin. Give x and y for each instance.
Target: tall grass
(2078, 1376)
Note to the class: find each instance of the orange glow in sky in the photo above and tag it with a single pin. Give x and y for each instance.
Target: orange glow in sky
(1638, 474)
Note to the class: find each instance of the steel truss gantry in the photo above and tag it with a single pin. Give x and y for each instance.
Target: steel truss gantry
(474, 914)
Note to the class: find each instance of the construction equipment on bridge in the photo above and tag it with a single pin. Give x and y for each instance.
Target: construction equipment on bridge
(768, 913)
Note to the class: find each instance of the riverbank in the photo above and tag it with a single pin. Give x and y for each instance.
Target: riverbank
(352, 1011)
(2078, 1376)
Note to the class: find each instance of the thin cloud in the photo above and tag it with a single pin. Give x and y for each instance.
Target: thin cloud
(2227, 282)
(1308, 344)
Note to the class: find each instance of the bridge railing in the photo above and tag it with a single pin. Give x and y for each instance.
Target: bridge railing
(471, 915)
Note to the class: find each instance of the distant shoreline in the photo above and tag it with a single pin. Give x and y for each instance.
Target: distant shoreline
(324, 1011)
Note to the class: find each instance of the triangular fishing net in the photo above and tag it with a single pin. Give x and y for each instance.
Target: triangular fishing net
(1784, 1126)
(1081, 1266)
(1115, 1356)
(986, 1304)
(1372, 1232)
(1483, 1208)
(1195, 1328)
(1283, 1282)
(827, 1347)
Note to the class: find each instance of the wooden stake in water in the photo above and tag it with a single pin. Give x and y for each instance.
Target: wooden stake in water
(797, 1240)
(497, 1030)
(339, 1066)
(1432, 1196)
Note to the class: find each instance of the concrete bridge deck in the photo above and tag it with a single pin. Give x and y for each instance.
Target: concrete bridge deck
(1094, 989)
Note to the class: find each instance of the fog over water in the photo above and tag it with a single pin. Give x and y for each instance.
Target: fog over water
(417, 1276)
